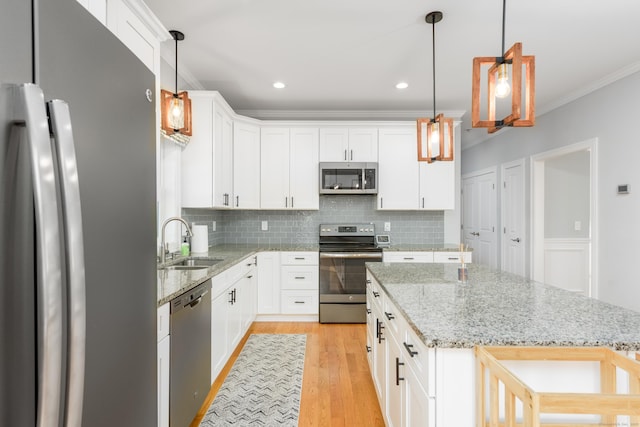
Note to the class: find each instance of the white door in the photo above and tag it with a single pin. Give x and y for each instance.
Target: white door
(479, 216)
(513, 221)
(274, 168)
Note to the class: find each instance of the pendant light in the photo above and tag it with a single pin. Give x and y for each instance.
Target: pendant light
(500, 87)
(176, 107)
(435, 135)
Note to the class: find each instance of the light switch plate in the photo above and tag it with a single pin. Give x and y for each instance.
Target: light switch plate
(213, 226)
(387, 226)
(265, 226)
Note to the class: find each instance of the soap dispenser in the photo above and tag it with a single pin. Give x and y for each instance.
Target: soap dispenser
(184, 248)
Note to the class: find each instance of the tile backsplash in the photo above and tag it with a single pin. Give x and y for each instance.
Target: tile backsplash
(301, 227)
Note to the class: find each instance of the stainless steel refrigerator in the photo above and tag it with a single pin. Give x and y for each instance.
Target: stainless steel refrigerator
(77, 257)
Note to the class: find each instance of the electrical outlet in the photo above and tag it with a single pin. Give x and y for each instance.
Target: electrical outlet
(577, 225)
(387, 226)
(265, 226)
(213, 226)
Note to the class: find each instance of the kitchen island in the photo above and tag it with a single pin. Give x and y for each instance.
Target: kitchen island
(422, 308)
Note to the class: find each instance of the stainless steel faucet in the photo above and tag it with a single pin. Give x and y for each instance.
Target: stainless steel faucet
(164, 226)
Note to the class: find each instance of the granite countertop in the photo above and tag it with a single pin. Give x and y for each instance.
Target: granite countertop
(498, 308)
(415, 247)
(172, 283)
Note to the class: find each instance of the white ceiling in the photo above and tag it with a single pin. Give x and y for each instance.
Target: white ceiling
(347, 55)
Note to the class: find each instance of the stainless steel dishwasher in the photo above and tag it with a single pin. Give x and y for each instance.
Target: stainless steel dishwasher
(190, 359)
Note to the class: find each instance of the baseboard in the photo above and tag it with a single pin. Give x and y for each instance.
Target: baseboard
(286, 318)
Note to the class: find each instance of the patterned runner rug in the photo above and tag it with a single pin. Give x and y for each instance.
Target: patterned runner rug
(264, 385)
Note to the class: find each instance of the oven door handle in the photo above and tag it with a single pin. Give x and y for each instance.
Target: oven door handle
(375, 255)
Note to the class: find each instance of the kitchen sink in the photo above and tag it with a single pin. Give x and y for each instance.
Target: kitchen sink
(184, 267)
(199, 262)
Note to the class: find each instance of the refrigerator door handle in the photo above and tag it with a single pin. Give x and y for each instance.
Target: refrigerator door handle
(63, 145)
(31, 113)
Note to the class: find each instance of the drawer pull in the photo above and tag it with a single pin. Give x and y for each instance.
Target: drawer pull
(300, 277)
(299, 302)
(408, 258)
(453, 258)
(368, 349)
(390, 316)
(376, 294)
(409, 348)
(299, 258)
(398, 377)
(368, 311)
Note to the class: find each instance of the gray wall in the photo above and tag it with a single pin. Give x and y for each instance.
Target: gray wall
(609, 114)
(301, 227)
(567, 187)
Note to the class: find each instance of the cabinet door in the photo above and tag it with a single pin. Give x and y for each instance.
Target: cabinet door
(303, 167)
(334, 144)
(219, 336)
(274, 168)
(248, 301)
(416, 402)
(237, 295)
(395, 382)
(197, 156)
(437, 185)
(398, 169)
(363, 145)
(379, 355)
(223, 143)
(268, 283)
(164, 352)
(246, 166)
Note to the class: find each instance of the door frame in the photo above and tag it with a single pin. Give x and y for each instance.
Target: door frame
(536, 248)
(503, 211)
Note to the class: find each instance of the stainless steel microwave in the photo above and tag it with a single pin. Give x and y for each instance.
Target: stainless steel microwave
(348, 178)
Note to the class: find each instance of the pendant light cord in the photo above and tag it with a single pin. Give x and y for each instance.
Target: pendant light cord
(176, 38)
(504, 14)
(433, 51)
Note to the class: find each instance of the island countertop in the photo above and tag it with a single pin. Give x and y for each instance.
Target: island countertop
(498, 308)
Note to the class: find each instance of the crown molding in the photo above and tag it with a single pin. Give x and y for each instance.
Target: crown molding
(334, 115)
(140, 9)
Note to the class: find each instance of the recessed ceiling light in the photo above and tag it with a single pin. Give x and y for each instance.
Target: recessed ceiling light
(402, 85)
(279, 85)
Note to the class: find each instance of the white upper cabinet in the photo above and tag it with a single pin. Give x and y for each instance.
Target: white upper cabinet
(207, 161)
(289, 168)
(398, 178)
(348, 144)
(437, 185)
(246, 166)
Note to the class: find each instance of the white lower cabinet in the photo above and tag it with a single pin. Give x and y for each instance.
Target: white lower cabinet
(164, 352)
(427, 256)
(232, 310)
(401, 367)
(268, 283)
(299, 283)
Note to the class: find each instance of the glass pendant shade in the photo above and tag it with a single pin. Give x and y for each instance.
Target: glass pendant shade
(176, 113)
(435, 139)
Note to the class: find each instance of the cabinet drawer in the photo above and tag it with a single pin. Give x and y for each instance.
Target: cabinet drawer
(407, 256)
(374, 293)
(299, 302)
(417, 357)
(299, 258)
(453, 257)
(163, 321)
(302, 277)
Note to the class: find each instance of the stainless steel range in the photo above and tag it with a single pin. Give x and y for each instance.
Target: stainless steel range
(344, 248)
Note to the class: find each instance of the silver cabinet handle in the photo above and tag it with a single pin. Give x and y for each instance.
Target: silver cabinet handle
(408, 258)
(63, 143)
(292, 201)
(300, 277)
(237, 201)
(381, 205)
(345, 154)
(423, 203)
(286, 202)
(351, 155)
(32, 117)
(299, 302)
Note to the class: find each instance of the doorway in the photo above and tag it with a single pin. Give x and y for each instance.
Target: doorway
(479, 216)
(514, 239)
(564, 217)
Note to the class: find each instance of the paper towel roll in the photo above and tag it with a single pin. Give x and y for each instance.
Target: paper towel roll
(200, 239)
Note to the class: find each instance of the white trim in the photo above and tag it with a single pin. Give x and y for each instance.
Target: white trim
(286, 318)
(503, 209)
(537, 208)
(479, 172)
(344, 114)
(148, 18)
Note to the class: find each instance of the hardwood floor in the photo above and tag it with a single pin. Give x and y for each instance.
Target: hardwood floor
(337, 389)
